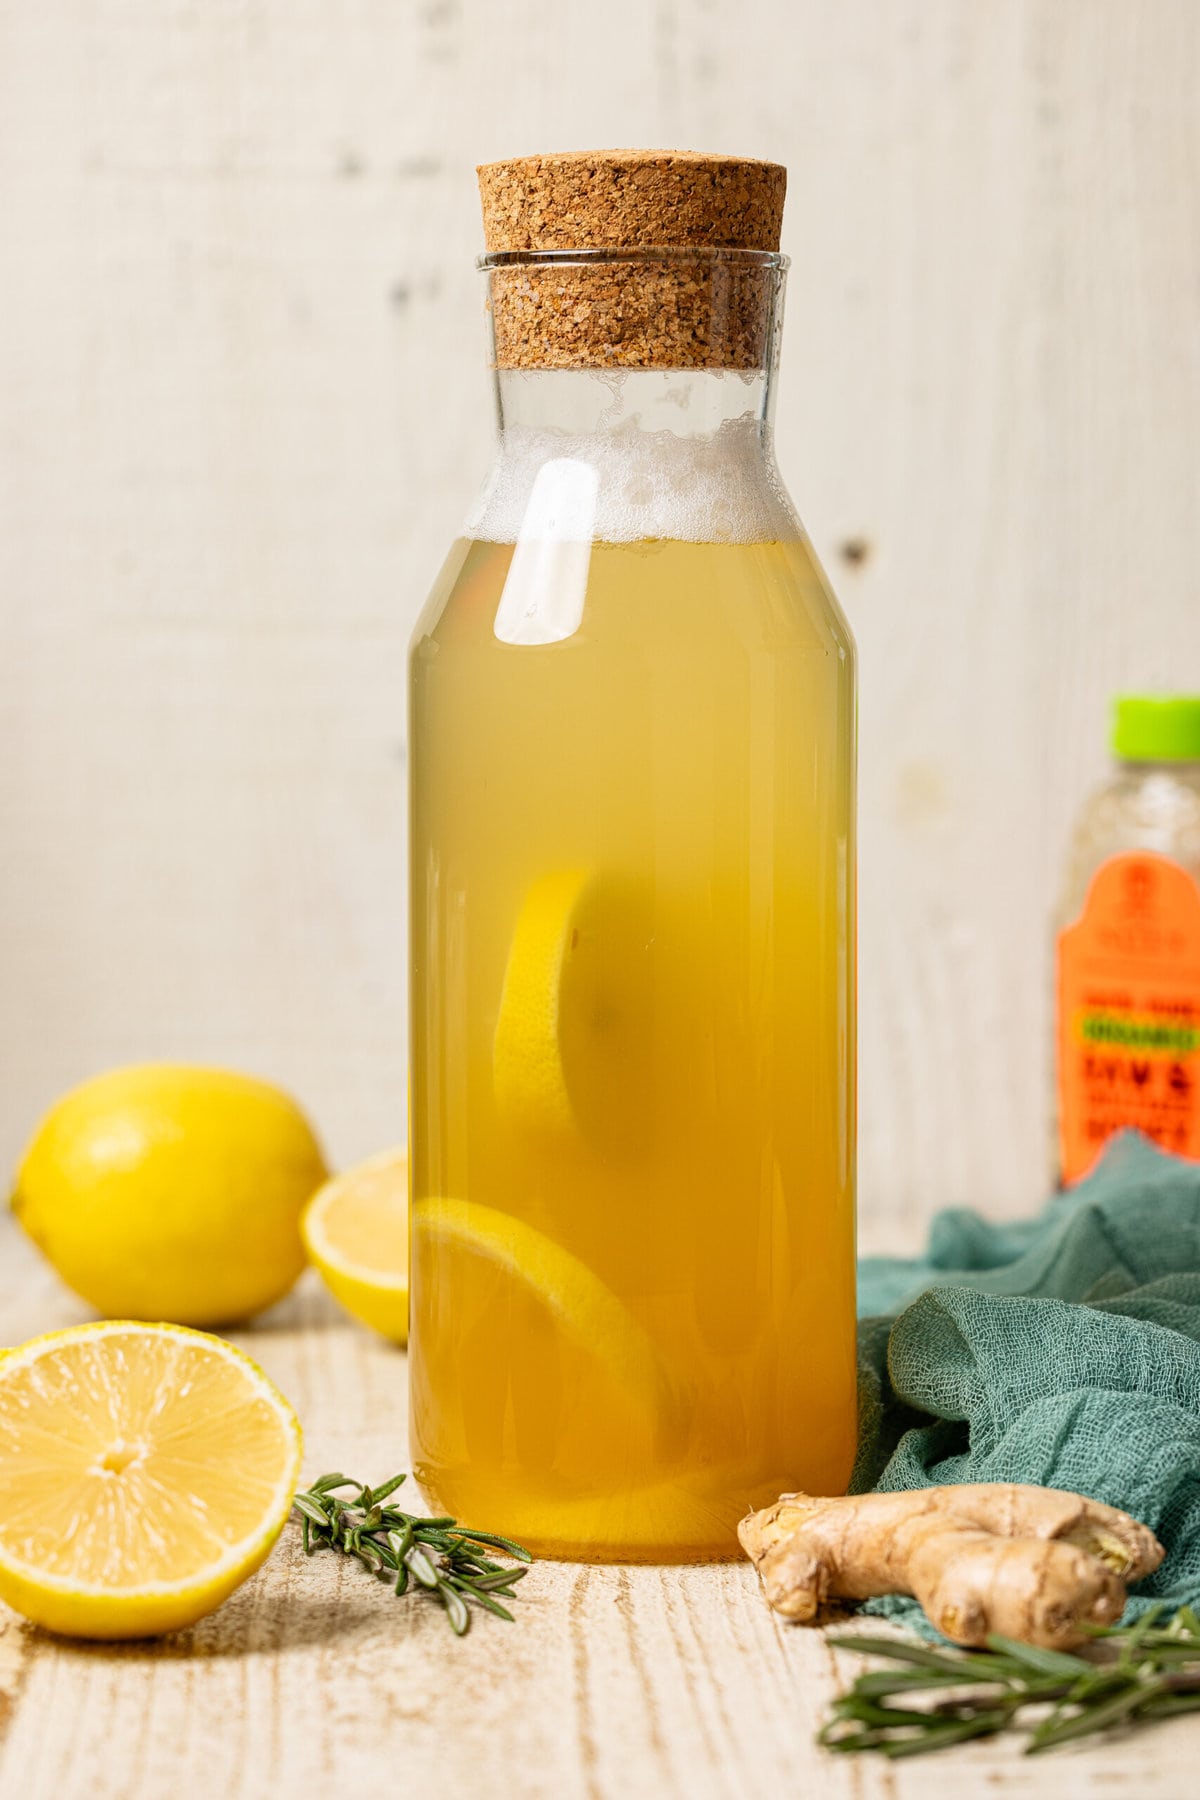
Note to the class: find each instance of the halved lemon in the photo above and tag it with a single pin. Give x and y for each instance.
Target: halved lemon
(569, 1056)
(145, 1472)
(582, 1308)
(355, 1229)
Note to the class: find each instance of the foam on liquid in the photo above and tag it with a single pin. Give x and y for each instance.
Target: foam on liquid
(624, 483)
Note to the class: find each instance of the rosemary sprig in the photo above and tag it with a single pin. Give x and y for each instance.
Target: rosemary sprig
(938, 1697)
(438, 1556)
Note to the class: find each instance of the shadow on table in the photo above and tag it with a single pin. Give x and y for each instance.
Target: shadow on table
(237, 1631)
(309, 1307)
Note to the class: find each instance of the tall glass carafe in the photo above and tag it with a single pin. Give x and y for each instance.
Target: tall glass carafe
(632, 898)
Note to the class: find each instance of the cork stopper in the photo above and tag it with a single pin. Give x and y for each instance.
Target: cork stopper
(624, 199)
(666, 309)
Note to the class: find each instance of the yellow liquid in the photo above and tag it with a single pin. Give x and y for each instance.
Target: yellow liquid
(685, 759)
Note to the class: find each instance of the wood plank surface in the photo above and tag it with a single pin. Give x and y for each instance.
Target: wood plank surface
(243, 407)
(613, 1684)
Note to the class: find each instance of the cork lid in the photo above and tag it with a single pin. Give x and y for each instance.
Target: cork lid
(633, 259)
(625, 199)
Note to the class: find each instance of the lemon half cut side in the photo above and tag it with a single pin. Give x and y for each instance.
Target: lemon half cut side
(145, 1472)
(355, 1230)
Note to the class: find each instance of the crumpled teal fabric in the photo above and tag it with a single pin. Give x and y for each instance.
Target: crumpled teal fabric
(1062, 1350)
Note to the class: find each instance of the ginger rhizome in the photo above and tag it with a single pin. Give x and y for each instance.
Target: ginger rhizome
(1031, 1563)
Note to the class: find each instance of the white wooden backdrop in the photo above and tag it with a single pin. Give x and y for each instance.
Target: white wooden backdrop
(242, 406)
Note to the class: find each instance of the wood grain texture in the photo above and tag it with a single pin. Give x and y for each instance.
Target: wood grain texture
(242, 404)
(614, 1683)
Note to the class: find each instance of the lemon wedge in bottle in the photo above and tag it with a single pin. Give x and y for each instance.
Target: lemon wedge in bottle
(571, 1050)
(355, 1230)
(145, 1472)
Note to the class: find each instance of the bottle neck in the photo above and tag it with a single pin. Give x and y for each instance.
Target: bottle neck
(620, 455)
(614, 404)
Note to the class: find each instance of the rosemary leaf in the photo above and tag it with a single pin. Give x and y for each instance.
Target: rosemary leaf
(420, 1567)
(1171, 1703)
(1056, 1730)
(311, 1511)
(1138, 1633)
(388, 1488)
(1034, 1656)
(488, 1601)
(497, 1543)
(501, 1578)
(456, 1607)
(940, 1737)
(328, 1482)
(899, 1650)
(887, 1681)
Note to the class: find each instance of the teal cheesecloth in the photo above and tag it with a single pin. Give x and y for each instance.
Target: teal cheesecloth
(1062, 1350)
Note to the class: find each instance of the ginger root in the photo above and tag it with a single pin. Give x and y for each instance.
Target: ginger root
(1031, 1563)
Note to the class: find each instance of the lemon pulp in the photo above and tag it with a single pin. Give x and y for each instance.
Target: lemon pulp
(356, 1232)
(145, 1471)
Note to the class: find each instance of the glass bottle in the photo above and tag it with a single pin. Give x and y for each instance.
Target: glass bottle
(632, 706)
(1127, 1012)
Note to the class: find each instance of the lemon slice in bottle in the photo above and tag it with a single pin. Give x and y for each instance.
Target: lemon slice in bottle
(582, 1308)
(684, 1520)
(145, 1472)
(355, 1230)
(571, 1050)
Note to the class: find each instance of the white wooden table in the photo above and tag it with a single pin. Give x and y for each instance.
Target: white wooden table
(313, 1679)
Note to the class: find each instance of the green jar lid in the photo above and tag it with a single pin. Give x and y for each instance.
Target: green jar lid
(1156, 728)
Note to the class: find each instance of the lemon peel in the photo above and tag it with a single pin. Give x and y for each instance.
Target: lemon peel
(165, 1191)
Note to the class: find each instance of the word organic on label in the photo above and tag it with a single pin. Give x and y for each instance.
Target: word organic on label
(1128, 1023)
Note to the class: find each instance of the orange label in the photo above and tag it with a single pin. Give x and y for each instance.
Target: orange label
(1129, 1012)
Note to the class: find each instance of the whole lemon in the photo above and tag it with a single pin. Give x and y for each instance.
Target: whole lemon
(171, 1192)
